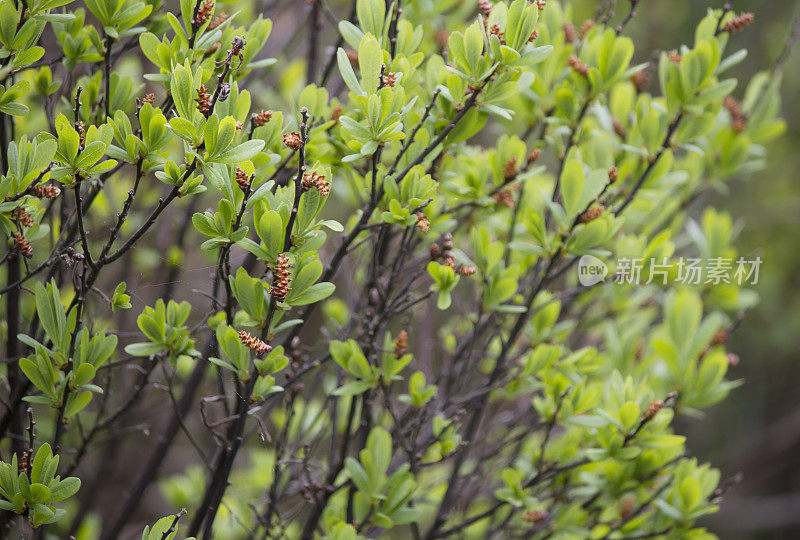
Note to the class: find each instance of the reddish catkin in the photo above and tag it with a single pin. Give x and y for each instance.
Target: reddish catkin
(293, 140)
(401, 344)
(280, 283)
(422, 224)
(587, 26)
(535, 516)
(205, 11)
(738, 23)
(510, 169)
(242, 180)
(46, 191)
(619, 129)
(261, 118)
(533, 36)
(592, 214)
(541, 4)
(641, 79)
(613, 175)
(217, 20)
(22, 216)
(504, 198)
(23, 246)
(203, 100)
(467, 270)
(148, 98)
(390, 79)
(738, 119)
(495, 30)
(720, 337)
(485, 6)
(253, 343)
(569, 33)
(577, 66)
(652, 409)
(316, 181)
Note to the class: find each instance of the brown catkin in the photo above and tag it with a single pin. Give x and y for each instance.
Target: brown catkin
(613, 175)
(577, 66)
(261, 118)
(282, 278)
(485, 6)
(293, 140)
(22, 216)
(46, 191)
(217, 20)
(652, 409)
(422, 224)
(504, 198)
(401, 344)
(510, 169)
(738, 23)
(148, 98)
(587, 25)
(316, 181)
(467, 270)
(205, 11)
(203, 100)
(253, 343)
(738, 118)
(592, 214)
(569, 33)
(390, 79)
(242, 180)
(23, 246)
(535, 516)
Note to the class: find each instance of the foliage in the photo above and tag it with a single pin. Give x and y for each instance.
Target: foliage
(474, 168)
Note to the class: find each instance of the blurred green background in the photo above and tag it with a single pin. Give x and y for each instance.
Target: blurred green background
(756, 431)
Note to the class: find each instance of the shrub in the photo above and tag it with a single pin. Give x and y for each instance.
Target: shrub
(459, 379)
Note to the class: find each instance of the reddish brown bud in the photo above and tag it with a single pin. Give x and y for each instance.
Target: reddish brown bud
(640, 80)
(205, 11)
(613, 175)
(435, 251)
(282, 278)
(504, 198)
(535, 516)
(261, 118)
(401, 344)
(217, 20)
(242, 180)
(253, 343)
(652, 409)
(422, 224)
(569, 33)
(467, 270)
(495, 30)
(510, 169)
(203, 100)
(485, 6)
(541, 4)
(148, 98)
(675, 57)
(626, 507)
(740, 22)
(316, 180)
(22, 216)
(336, 113)
(390, 79)
(587, 25)
(592, 214)
(447, 241)
(46, 191)
(534, 35)
(293, 140)
(738, 118)
(22, 245)
(720, 337)
(534, 155)
(577, 66)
